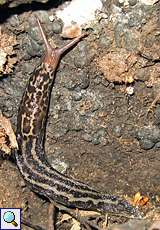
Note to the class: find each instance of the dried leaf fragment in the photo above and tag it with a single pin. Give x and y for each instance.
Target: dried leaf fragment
(7, 54)
(7, 135)
(75, 225)
(88, 213)
(65, 217)
(140, 200)
(3, 142)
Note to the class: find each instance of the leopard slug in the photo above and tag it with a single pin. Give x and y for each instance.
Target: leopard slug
(31, 160)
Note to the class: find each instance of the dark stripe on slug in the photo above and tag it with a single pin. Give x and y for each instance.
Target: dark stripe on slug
(51, 173)
(58, 176)
(57, 197)
(39, 179)
(104, 203)
(106, 200)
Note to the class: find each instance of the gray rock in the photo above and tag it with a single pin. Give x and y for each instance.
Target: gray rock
(99, 137)
(146, 144)
(77, 82)
(148, 136)
(84, 56)
(105, 41)
(43, 16)
(132, 2)
(57, 26)
(157, 145)
(14, 20)
(76, 96)
(117, 130)
(130, 41)
(33, 49)
(136, 17)
(28, 68)
(118, 32)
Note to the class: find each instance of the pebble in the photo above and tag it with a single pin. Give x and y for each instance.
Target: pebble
(34, 43)
(146, 144)
(105, 41)
(28, 68)
(98, 137)
(117, 130)
(14, 20)
(132, 2)
(57, 26)
(43, 16)
(118, 32)
(130, 41)
(157, 145)
(55, 160)
(84, 55)
(33, 49)
(86, 137)
(77, 123)
(76, 96)
(33, 33)
(60, 129)
(60, 166)
(130, 90)
(148, 136)
(8, 109)
(76, 82)
(136, 18)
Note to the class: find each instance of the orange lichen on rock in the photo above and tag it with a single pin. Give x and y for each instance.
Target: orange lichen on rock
(7, 54)
(72, 31)
(118, 66)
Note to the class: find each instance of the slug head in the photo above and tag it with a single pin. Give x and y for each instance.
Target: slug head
(52, 56)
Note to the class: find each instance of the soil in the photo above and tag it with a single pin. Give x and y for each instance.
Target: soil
(105, 136)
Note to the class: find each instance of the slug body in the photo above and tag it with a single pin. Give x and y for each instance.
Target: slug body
(39, 175)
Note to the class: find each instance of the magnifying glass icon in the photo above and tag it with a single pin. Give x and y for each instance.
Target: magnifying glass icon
(9, 217)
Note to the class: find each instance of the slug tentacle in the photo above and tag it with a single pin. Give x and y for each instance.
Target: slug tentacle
(52, 55)
(47, 45)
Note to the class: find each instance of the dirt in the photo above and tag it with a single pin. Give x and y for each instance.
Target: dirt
(93, 121)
